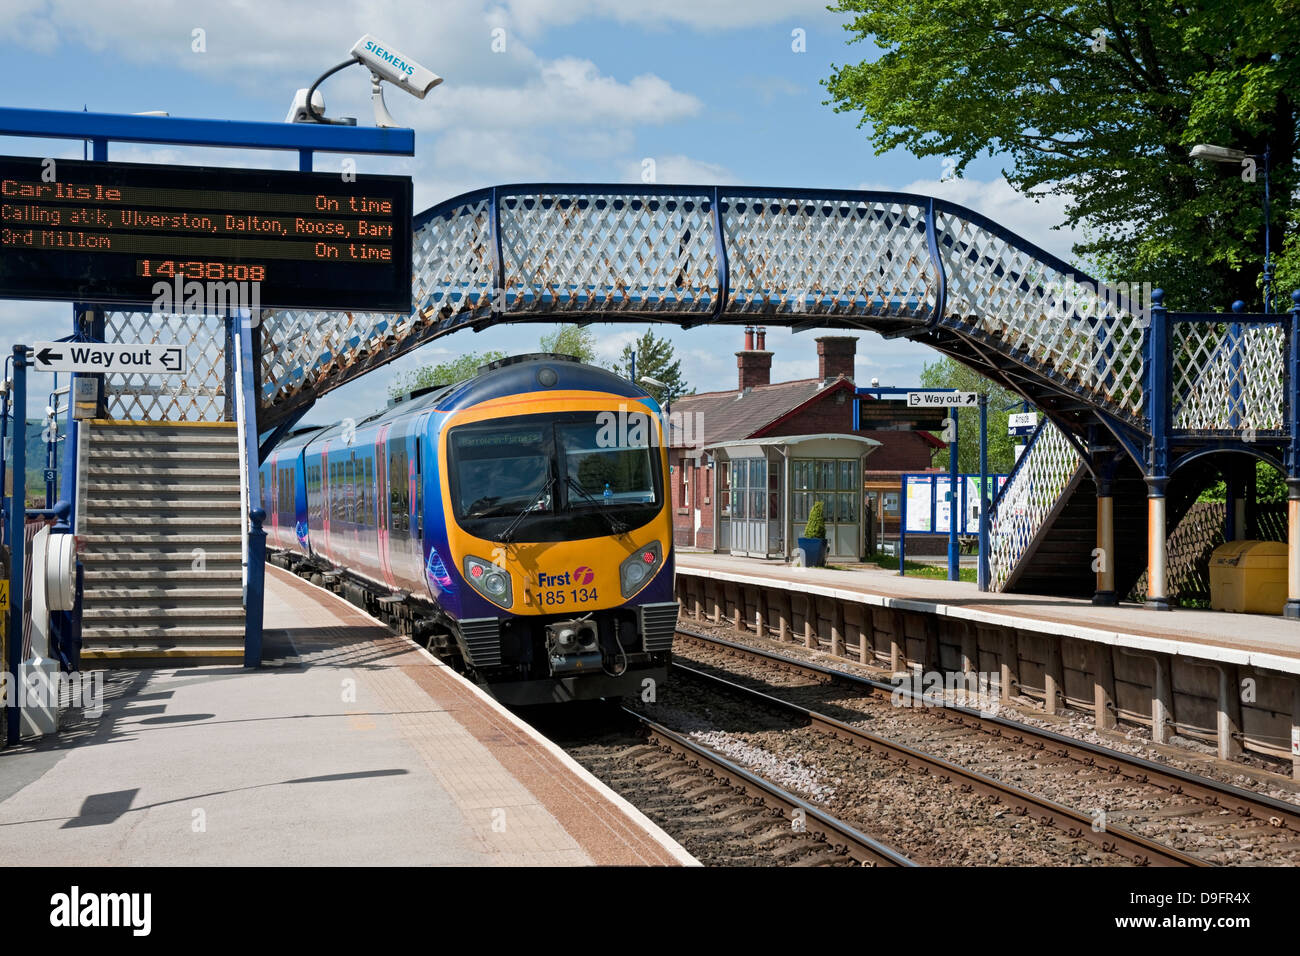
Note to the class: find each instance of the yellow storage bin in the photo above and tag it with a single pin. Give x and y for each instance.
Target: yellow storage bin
(1248, 576)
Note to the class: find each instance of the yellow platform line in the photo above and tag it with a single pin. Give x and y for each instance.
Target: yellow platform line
(173, 652)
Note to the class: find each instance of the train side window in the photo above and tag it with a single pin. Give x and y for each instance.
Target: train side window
(349, 481)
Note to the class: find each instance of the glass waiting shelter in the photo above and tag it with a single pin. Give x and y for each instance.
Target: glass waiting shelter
(766, 488)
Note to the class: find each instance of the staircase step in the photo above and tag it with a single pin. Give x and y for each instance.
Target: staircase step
(98, 507)
(155, 596)
(160, 488)
(177, 636)
(154, 469)
(216, 650)
(161, 435)
(145, 617)
(162, 574)
(136, 453)
(170, 540)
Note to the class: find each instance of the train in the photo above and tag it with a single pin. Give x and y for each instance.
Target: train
(517, 524)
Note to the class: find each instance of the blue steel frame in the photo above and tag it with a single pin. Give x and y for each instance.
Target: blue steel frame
(305, 139)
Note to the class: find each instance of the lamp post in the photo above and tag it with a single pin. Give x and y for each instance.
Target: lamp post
(1239, 157)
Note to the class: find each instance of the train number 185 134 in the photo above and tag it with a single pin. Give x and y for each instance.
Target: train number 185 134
(574, 595)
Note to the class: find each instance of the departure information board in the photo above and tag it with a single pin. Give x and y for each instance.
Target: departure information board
(110, 232)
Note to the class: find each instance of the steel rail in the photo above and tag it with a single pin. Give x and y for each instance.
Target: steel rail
(1270, 810)
(1132, 846)
(826, 828)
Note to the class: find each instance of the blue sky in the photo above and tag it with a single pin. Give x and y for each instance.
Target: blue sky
(584, 91)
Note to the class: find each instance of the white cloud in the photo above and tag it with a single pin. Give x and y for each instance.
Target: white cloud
(676, 168)
(532, 15)
(567, 91)
(1034, 220)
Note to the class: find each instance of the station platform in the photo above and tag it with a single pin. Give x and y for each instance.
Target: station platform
(351, 746)
(1262, 641)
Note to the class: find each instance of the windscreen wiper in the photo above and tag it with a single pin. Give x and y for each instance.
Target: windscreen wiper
(507, 534)
(615, 525)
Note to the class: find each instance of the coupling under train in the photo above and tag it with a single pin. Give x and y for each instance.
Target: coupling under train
(516, 523)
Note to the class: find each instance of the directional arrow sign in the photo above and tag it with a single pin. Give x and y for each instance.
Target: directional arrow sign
(99, 357)
(942, 399)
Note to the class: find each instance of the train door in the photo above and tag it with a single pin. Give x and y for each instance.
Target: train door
(326, 490)
(272, 504)
(382, 507)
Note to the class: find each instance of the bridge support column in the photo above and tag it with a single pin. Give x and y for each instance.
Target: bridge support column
(1157, 595)
(1104, 556)
(1292, 608)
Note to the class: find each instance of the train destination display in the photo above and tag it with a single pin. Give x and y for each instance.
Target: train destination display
(110, 232)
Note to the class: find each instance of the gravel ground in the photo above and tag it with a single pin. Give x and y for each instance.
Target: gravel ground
(931, 822)
(718, 825)
(1216, 835)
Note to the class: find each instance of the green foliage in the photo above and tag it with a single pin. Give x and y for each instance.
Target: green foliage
(816, 526)
(443, 373)
(655, 358)
(947, 373)
(1101, 101)
(576, 340)
(1270, 486)
(916, 569)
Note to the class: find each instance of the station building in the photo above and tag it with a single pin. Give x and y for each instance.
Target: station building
(749, 463)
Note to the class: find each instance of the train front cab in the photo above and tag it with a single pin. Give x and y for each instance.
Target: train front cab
(559, 534)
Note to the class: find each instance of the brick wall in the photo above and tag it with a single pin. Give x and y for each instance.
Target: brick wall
(699, 495)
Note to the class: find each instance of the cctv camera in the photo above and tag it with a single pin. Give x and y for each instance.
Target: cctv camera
(387, 64)
(298, 112)
(875, 383)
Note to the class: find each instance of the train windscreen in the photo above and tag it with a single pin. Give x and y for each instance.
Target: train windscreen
(552, 477)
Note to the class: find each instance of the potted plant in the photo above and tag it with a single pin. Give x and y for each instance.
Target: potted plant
(813, 543)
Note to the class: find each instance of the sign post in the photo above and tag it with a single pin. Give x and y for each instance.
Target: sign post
(954, 499)
(982, 572)
(17, 520)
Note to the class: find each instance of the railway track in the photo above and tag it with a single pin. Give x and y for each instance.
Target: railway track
(839, 837)
(1135, 848)
(1265, 818)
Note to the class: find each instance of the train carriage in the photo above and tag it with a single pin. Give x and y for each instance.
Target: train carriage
(517, 522)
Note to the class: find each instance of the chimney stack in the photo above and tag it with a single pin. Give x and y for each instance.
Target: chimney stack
(762, 338)
(835, 356)
(754, 365)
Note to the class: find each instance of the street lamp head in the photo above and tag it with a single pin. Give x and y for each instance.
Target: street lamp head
(1217, 154)
(647, 380)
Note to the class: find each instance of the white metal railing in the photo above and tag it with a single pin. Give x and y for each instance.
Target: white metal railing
(237, 348)
(1031, 492)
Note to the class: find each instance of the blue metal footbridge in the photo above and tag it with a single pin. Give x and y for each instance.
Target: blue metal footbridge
(1135, 396)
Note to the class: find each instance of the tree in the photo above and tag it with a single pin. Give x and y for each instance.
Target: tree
(1101, 101)
(947, 373)
(444, 373)
(655, 358)
(576, 340)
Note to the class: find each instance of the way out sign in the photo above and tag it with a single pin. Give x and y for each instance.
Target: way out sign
(921, 399)
(100, 357)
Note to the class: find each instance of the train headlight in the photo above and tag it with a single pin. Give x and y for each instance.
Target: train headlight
(639, 567)
(490, 580)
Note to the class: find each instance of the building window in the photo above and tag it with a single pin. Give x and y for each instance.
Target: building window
(686, 483)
